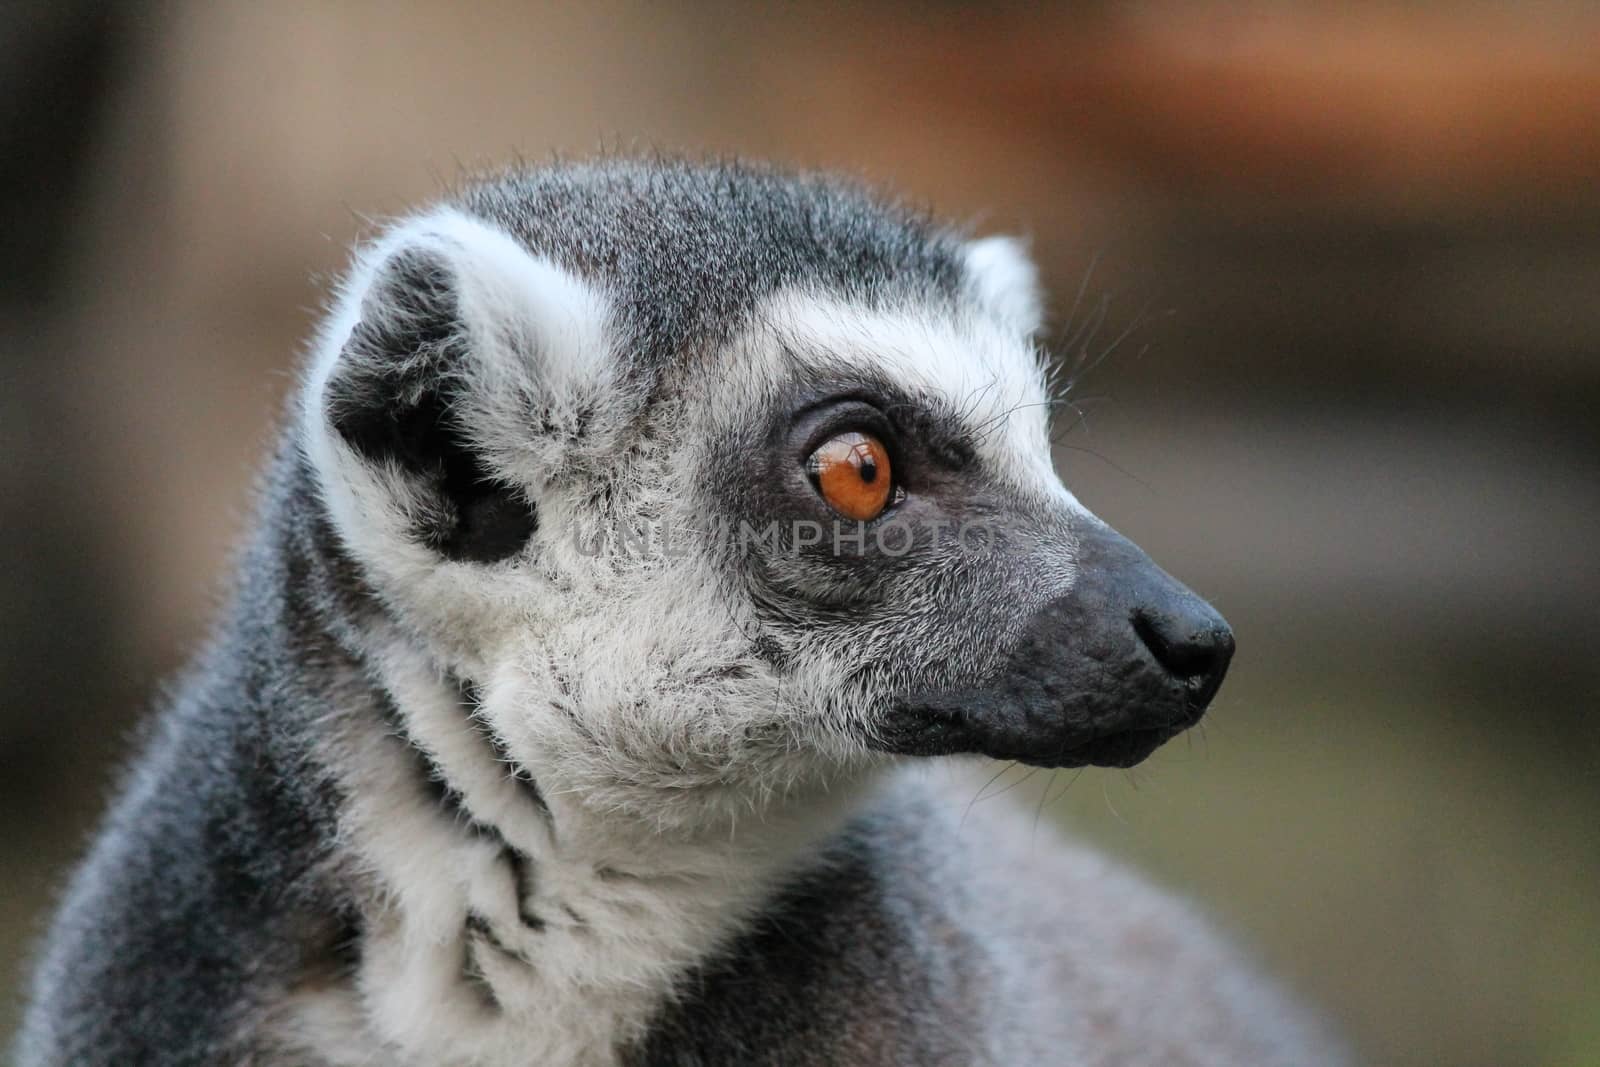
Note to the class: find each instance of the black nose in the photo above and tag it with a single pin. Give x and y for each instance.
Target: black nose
(1188, 638)
(1105, 673)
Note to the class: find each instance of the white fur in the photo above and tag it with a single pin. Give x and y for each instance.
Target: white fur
(983, 367)
(625, 910)
(1005, 281)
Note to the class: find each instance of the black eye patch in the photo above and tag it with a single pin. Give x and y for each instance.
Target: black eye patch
(942, 438)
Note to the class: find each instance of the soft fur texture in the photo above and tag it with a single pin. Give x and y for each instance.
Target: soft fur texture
(452, 786)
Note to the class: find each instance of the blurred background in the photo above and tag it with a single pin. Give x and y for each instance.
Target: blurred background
(1340, 275)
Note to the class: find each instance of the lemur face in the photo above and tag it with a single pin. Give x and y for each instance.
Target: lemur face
(722, 477)
(917, 538)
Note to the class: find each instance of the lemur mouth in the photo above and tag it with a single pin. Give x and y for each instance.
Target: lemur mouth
(1123, 750)
(1126, 749)
(940, 728)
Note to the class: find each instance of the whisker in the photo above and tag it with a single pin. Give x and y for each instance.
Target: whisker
(1105, 794)
(1138, 320)
(985, 788)
(1079, 341)
(1038, 811)
(1112, 464)
(1020, 781)
(1075, 775)
(1083, 287)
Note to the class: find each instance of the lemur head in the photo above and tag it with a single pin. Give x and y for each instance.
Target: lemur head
(718, 482)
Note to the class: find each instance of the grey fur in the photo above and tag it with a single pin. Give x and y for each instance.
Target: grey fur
(235, 908)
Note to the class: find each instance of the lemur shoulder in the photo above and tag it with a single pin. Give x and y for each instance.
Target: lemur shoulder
(467, 776)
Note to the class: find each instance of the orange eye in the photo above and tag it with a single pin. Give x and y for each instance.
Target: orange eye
(853, 476)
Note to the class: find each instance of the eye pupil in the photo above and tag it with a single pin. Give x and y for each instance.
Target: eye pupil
(847, 470)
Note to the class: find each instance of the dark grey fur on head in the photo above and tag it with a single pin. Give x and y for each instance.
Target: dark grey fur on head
(689, 249)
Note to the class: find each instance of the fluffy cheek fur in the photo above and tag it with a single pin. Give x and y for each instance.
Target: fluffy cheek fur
(646, 692)
(675, 738)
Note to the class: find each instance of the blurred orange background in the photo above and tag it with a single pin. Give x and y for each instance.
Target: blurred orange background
(1355, 251)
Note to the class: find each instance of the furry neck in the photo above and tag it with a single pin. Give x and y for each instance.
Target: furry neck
(504, 923)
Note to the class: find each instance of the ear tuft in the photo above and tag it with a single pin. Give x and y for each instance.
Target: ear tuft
(1005, 281)
(385, 400)
(397, 394)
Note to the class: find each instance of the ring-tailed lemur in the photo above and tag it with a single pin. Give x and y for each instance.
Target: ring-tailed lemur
(474, 772)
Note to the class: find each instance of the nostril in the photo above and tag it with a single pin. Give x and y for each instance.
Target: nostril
(1190, 648)
(1222, 637)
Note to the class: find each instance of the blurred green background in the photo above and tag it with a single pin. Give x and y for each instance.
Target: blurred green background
(1356, 250)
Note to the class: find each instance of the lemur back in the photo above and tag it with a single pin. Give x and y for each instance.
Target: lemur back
(637, 532)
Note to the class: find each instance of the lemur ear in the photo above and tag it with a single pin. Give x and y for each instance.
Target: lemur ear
(1005, 281)
(456, 361)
